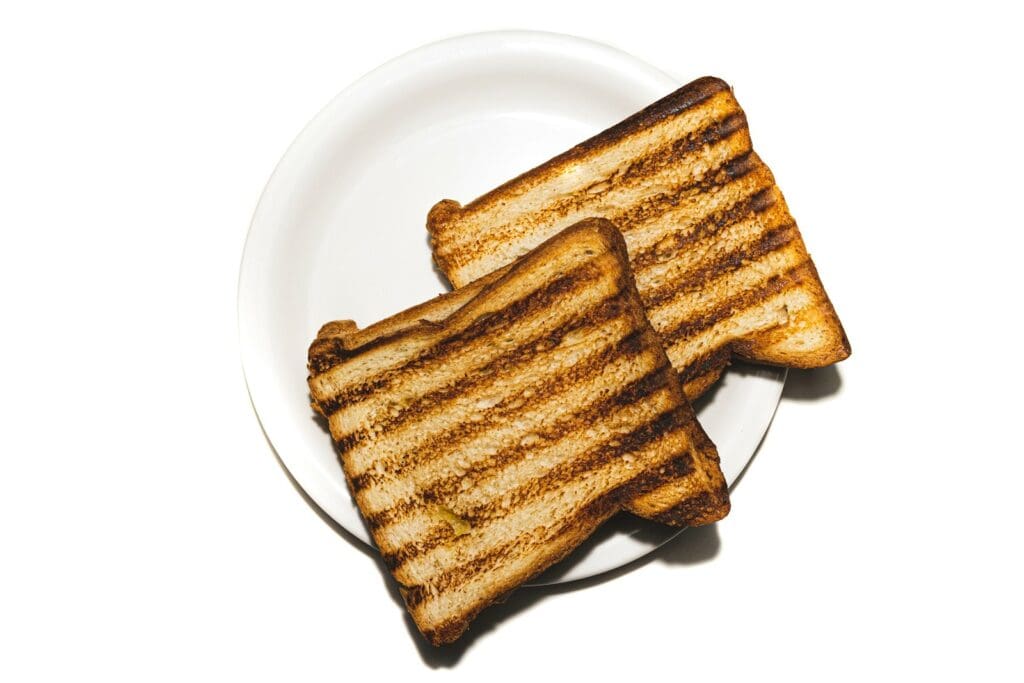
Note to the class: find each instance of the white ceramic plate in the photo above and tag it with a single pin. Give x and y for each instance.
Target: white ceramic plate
(339, 231)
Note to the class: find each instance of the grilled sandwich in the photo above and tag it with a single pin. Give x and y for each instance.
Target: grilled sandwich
(674, 502)
(718, 259)
(486, 434)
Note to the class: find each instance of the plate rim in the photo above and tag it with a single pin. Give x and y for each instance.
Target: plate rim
(255, 365)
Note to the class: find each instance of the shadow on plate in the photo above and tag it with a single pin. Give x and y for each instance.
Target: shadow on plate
(811, 385)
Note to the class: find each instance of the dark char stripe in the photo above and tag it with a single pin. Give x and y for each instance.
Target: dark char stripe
(444, 443)
(442, 532)
(775, 284)
(701, 508)
(635, 391)
(325, 353)
(759, 201)
(647, 165)
(599, 508)
(632, 442)
(690, 95)
(491, 324)
(714, 133)
(512, 359)
(696, 387)
(648, 208)
(710, 362)
(744, 254)
(629, 443)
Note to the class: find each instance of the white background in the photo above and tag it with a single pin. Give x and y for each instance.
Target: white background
(148, 533)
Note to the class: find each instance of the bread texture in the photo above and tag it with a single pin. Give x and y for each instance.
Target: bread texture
(487, 433)
(719, 262)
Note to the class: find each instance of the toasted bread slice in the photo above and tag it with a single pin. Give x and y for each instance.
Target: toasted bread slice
(486, 442)
(676, 503)
(717, 257)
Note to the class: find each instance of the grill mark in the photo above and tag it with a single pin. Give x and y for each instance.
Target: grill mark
(640, 169)
(640, 212)
(695, 508)
(428, 314)
(389, 515)
(775, 284)
(325, 353)
(759, 201)
(696, 387)
(713, 133)
(603, 312)
(347, 443)
(667, 154)
(440, 533)
(609, 309)
(635, 440)
(491, 323)
(602, 505)
(439, 490)
(568, 471)
(709, 362)
(769, 241)
(674, 469)
(441, 444)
